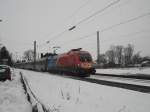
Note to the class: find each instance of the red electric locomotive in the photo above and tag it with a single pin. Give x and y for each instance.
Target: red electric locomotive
(76, 62)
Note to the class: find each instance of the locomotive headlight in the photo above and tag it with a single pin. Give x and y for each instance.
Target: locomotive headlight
(86, 65)
(90, 65)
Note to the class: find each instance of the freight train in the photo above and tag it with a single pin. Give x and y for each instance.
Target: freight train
(75, 62)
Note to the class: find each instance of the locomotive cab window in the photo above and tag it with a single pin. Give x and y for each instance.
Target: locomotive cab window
(85, 58)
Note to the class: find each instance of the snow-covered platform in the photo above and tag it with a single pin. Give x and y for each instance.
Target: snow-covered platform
(61, 94)
(12, 96)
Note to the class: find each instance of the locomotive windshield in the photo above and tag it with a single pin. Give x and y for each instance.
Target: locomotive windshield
(85, 57)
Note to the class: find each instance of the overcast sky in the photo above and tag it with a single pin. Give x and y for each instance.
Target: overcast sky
(24, 21)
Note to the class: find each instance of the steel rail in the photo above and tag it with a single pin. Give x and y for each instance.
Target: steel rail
(134, 87)
(133, 76)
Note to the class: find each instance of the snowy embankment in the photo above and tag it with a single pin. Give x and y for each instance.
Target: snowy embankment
(37, 106)
(61, 94)
(12, 96)
(125, 71)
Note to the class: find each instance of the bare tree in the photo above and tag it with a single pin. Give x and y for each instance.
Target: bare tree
(119, 54)
(110, 54)
(128, 53)
(103, 58)
(29, 55)
(136, 59)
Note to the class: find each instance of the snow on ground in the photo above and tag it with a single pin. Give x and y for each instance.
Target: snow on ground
(12, 97)
(125, 71)
(61, 94)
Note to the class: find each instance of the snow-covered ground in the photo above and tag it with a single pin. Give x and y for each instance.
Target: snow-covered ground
(125, 71)
(61, 94)
(12, 96)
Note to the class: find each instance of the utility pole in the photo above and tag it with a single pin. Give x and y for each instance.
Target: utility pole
(98, 48)
(34, 54)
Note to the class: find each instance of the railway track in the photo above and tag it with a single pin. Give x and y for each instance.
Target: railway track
(135, 84)
(134, 76)
(133, 79)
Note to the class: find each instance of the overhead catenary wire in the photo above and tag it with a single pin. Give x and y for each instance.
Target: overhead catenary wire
(80, 38)
(125, 35)
(85, 19)
(125, 22)
(135, 33)
(107, 28)
(97, 12)
(71, 16)
(58, 35)
(78, 9)
(113, 26)
(55, 37)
